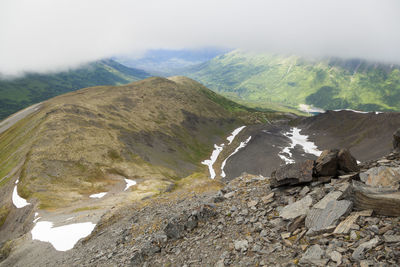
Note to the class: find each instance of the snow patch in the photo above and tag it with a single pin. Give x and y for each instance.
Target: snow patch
(210, 162)
(234, 133)
(18, 201)
(64, 237)
(310, 108)
(352, 110)
(298, 139)
(241, 145)
(36, 219)
(99, 195)
(129, 183)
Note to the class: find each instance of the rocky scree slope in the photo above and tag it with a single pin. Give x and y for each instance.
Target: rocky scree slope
(367, 135)
(314, 219)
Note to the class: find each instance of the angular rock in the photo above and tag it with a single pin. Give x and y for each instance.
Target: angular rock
(396, 141)
(358, 253)
(334, 195)
(314, 255)
(304, 191)
(268, 199)
(292, 174)
(174, 229)
(327, 163)
(241, 245)
(319, 221)
(392, 238)
(346, 162)
(382, 176)
(345, 226)
(297, 208)
(296, 223)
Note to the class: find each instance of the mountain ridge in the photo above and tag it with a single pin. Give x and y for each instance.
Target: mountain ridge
(18, 93)
(330, 83)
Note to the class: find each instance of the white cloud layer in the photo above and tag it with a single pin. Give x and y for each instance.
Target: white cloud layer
(49, 35)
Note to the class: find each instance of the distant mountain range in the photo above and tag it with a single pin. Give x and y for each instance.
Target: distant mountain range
(19, 93)
(329, 83)
(163, 62)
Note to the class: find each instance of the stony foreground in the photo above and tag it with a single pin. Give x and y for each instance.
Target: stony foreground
(252, 221)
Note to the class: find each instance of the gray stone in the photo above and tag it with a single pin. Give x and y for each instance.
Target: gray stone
(296, 209)
(174, 230)
(292, 174)
(336, 257)
(314, 255)
(335, 195)
(353, 235)
(304, 191)
(358, 253)
(392, 238)
(241, 245)
(318, 220)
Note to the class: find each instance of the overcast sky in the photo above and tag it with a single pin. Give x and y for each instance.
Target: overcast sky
(51, 35)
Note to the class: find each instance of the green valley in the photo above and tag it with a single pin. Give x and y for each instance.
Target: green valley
(265, 80)
(32, 88)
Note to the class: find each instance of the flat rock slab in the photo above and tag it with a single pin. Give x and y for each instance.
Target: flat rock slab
(382, 176)
(292, 174)
(297, 208)
(345, 226)
(335, 195)
(392, 238)
(319, 221)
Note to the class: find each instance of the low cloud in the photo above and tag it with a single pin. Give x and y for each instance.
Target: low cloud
(53, 35)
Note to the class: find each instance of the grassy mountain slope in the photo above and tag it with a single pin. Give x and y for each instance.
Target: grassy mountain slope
(155, 129)
(291, 80)
(19, 93)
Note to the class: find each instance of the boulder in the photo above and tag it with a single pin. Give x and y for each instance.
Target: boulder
(292, 174)
(346, 162)
(396, 141)
(327, 163)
